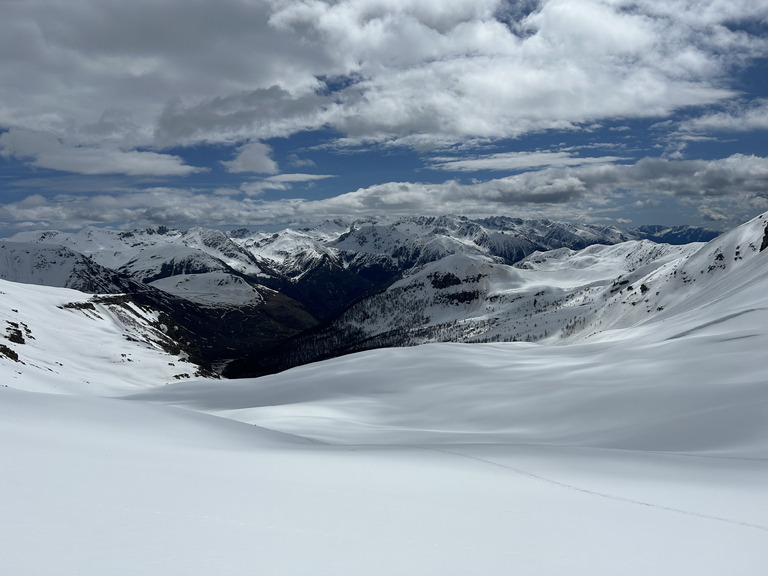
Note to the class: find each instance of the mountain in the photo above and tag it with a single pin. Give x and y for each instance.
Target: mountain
(554, 296)
(675, 234)
(241, 296)
(57, 265)
(222, 316)
(63, 341)
(571, 454)
(331, 266)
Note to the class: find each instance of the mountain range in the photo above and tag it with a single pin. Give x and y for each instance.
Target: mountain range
(252, 302)
(624, 432)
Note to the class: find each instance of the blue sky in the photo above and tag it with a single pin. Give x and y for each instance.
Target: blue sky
(263, 113)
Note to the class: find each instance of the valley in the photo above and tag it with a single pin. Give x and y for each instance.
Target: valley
(602, 407)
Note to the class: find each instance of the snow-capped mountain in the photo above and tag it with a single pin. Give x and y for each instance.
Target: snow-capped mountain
(558, 296)
(58, 266)
(115, 249)
(149, 256)
(63, 341)
(222, 313)
(333, 265)
(617, 449)
(244, 293)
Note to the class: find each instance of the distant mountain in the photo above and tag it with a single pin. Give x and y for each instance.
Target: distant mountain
(675, 234)
(221, 315)
(58, 266)
(65, 341)
(558, 295)
(241, 295)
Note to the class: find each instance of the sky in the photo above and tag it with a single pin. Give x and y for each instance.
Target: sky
(265, 113)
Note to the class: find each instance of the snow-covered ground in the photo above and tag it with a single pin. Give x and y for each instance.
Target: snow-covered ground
(640, 450)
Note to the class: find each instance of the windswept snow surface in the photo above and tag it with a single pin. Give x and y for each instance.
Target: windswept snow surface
(641, 449)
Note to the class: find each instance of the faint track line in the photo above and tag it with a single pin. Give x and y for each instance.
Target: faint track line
(595, 492)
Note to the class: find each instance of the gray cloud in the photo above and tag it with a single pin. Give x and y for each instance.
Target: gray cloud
(252, 157)
(45, 150)
(710, 214)
(262, 113)
(193, 71)
(593, 192)
(512, 161)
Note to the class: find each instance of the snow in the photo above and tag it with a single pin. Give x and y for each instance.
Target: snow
(28, 262)
(108, 486)
(94, 349)
(211, 288)
(641, 449)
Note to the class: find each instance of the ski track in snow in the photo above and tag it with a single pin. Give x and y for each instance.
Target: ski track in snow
(582, 490)
(714, 323)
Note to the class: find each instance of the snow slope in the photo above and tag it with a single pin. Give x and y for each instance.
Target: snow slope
(67, 342)
(200, 265)
(558, 296)
(690, 378)
(641, 449)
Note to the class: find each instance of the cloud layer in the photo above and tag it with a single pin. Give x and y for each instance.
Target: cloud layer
(127, 88)
(719, 191)
(46, 150)
(238, 70)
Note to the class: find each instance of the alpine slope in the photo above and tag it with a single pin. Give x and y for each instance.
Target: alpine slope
(631, 441)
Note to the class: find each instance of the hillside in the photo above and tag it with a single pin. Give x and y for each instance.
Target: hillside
(555, 296)
(619, 450)
(63, 341)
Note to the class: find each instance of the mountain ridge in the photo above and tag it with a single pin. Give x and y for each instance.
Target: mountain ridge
(245, 294)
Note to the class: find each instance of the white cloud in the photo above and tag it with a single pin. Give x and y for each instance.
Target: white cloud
(298, 177)
(712, 214)
(280, 182)
(252, 157)
(516, 161)
(740, 117)
(238, 70)
(473, 77)
(45, 150)
(733, 188)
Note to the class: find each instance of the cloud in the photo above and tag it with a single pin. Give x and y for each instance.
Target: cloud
(470, 75)
(645, 180)
(737, 186)
(132, 209)
(62, 63)
(512, 161)
(297, 162)
(711, 214)
(252, 157)
(299, 177)
(739, 117)
(45, 150)
(257, 188)
(727, 190)
(237, 70)
(280, 182)
(261, 113)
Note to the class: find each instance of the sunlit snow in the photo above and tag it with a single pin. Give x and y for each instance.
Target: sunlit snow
(640, 449)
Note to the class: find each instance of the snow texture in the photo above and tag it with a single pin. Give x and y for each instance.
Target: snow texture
(639, 448)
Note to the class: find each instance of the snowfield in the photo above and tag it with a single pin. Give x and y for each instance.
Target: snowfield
(640, 449)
